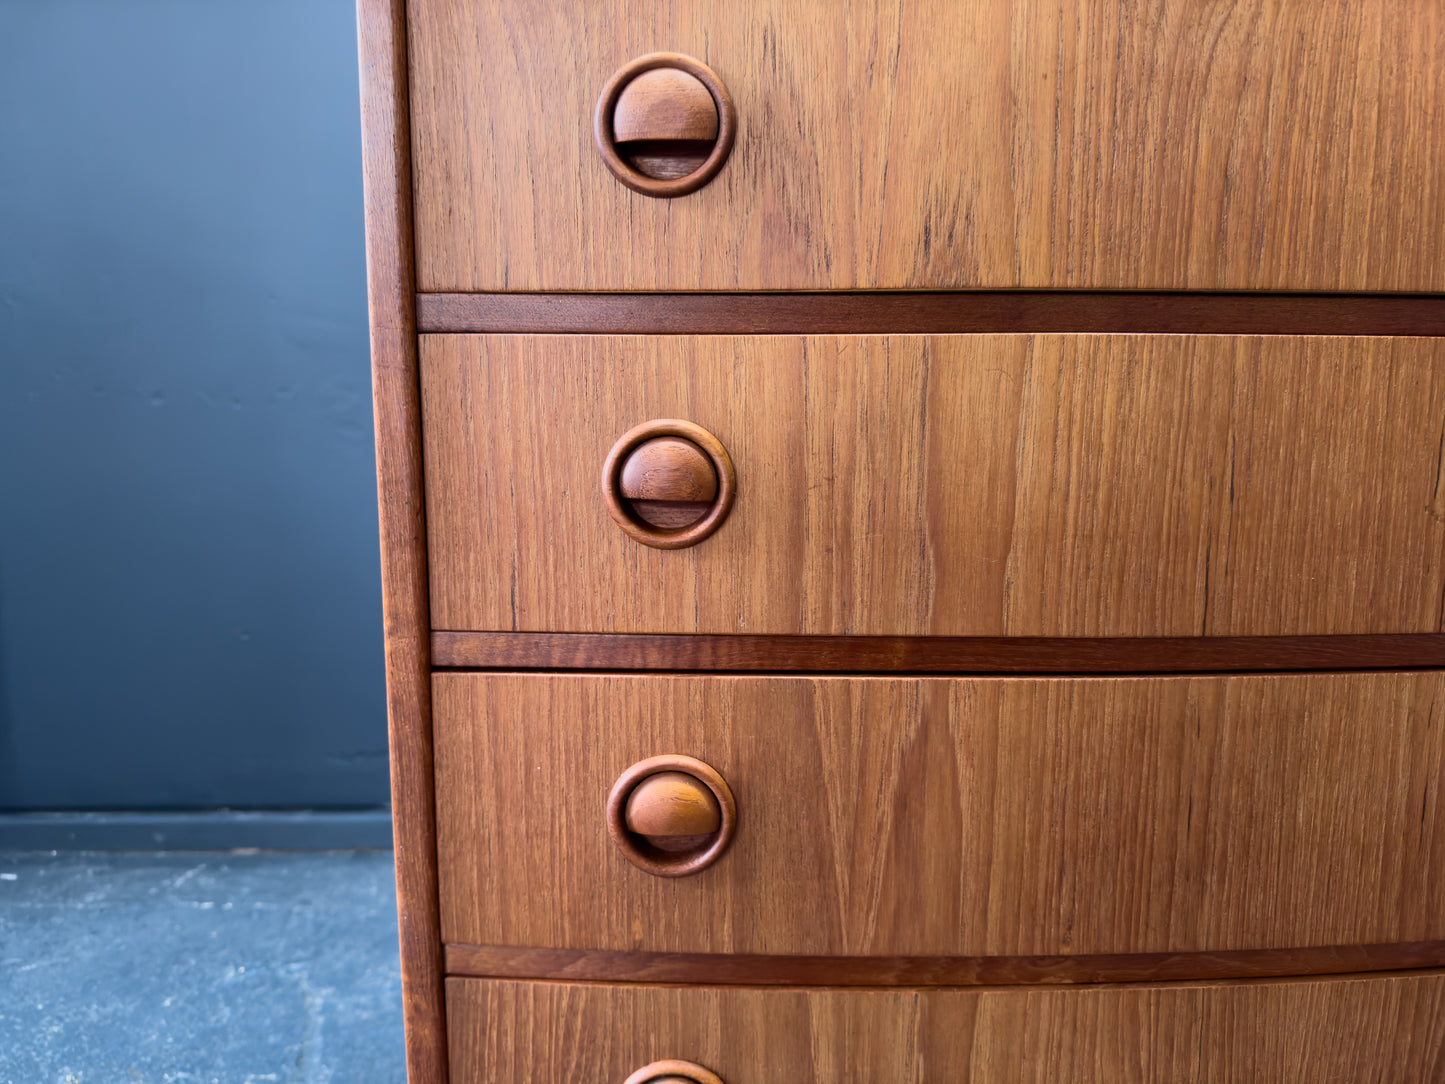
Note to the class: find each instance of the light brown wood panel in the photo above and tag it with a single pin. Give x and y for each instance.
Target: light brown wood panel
(954, 817)
(937, 144)
(963, 485)
(1301, 1032)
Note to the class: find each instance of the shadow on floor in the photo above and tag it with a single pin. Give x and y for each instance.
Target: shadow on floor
(199, 969)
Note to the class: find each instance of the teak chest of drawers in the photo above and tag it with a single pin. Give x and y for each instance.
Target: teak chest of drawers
(913, 537)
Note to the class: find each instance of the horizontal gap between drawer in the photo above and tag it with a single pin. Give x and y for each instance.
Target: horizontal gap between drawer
(935, 313)
(717, 969)
(932, 655)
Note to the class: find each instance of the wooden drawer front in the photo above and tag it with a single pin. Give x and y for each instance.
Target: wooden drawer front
(953, 817)
(994, 143)
(968, 485)
(1377, 1029)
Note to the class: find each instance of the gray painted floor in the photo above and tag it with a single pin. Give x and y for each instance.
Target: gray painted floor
(199, 969)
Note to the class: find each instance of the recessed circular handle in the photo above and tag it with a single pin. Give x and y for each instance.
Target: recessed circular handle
(668, 483)
(664, 124)
(673, 1072)
(671, 815)
(671, 806)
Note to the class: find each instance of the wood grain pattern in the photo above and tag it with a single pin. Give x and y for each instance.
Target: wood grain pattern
(955, 817)
(390, 293)
(743, 969)
(1089, 486)
(1284, 1032)
(1030, 312)
(933, 144)
(929, 654)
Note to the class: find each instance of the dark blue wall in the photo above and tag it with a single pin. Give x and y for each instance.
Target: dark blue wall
(189, 594)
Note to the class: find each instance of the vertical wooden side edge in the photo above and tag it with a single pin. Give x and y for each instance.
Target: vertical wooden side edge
(391, 287)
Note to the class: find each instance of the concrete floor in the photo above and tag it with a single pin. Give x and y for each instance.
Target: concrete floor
(199, 968)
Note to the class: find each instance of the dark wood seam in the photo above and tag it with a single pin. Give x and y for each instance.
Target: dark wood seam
(941, 312)
(932, 655)
(477, 961)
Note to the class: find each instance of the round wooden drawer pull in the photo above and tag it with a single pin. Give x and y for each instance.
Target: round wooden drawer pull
(664, 124)
(668, 483)
(673, 1072)
(671, 815)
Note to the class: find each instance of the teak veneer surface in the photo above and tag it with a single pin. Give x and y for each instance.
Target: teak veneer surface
(1301, 1032)
(937, 144)
(965, 485)
(953, 817)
